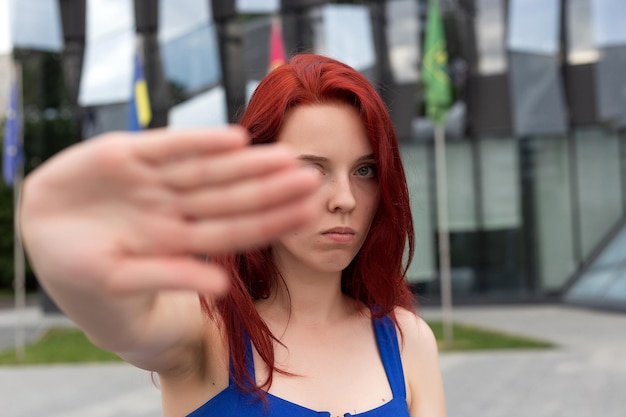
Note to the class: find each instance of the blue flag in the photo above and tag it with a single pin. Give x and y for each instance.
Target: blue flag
(139, 111)
(11, 149)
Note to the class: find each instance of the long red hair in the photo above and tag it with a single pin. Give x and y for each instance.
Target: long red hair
(376, 276)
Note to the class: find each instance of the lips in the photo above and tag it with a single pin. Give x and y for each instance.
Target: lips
(340, 236)
(339, 231)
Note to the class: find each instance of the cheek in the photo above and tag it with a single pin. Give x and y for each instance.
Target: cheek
(371, 212)
(370, 218)
(370, 201)
(294, 236)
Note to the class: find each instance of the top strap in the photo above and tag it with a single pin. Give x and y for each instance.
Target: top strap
(249, 361)
(387, 339)
(249, 357)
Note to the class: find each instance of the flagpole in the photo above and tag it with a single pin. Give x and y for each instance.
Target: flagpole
(438, 99)
(443, 234)
(18, 256)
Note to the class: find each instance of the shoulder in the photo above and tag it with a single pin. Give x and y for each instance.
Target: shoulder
(414, 332)
(420, 361)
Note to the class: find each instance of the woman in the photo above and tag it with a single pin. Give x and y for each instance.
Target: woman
(308, 232)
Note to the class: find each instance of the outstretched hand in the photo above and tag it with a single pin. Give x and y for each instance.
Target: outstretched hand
(132, 212)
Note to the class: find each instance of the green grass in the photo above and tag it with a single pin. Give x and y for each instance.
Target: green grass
(467, 337)
(71, 345)
(59, 346)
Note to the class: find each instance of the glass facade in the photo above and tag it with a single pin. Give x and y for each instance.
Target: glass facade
(533, 205)
(345, 33)
(534, 26)
(109, 44)
(552, 203)
(189, 47)
(608, 22)
(599, 185)
(604, 283)
(536, 157)
(485, 223)
(416, 158)
(490, 35)
(582, 48)
(402, 37)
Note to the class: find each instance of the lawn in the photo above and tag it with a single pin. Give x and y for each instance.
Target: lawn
(71, 345)
(475, 338)
(59, 346)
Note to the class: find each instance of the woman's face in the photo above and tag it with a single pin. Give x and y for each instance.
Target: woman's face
(331, 140)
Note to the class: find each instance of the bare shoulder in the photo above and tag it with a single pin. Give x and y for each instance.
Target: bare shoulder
(415, 333)
(420, 360)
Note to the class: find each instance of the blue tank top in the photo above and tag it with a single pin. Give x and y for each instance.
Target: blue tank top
(233, 402)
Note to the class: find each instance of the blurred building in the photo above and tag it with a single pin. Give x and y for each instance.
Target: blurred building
(536, 141)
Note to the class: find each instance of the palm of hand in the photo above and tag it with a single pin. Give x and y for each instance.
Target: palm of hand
(131, 212)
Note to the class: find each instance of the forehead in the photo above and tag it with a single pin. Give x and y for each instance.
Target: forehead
(332, 129)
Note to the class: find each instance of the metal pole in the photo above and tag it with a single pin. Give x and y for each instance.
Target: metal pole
(444, 242)
(18, 256)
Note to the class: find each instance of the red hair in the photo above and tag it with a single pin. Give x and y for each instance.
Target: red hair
(376, 276)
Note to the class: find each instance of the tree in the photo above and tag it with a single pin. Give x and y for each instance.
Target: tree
(48, 128)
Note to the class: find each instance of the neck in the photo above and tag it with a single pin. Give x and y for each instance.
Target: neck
(308, 297)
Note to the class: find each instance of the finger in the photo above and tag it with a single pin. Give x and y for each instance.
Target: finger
(163, 145)
(254, 195)
(226, 167)
(170, 273)
(245, 231)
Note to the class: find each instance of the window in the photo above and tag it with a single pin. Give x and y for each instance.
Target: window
(489, 27)
(580, 42)
(189, 47)
(109, 47)
(534, 26)
(403, 36)
(608, 22)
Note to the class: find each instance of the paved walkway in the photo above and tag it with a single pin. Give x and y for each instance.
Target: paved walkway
(585, 376)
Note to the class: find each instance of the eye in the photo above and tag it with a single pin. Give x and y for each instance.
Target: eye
(315, 167)
(366, 171)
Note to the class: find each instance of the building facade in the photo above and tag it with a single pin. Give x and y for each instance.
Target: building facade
(535, 142)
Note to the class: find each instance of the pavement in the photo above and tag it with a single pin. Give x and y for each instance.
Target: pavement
(584, 376)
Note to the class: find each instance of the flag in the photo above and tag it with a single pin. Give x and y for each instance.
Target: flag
(437, 85)
(11, 149)
(139, 111)
(277, 49)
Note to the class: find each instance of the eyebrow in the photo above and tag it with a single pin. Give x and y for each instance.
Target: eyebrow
(321, 159)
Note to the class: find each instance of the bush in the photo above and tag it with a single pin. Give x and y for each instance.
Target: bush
(6, 236)
(6, 243)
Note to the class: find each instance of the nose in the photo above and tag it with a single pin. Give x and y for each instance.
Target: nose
(341, 197)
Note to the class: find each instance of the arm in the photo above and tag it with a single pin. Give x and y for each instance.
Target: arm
(111, 227)
(420, 359)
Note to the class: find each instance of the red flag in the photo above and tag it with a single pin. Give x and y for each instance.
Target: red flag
(277, 49)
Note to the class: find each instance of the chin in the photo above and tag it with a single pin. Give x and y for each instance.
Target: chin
(337, 261)
(332, 266)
